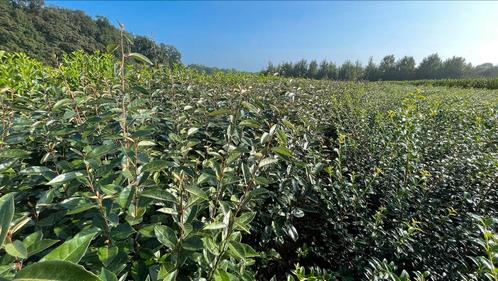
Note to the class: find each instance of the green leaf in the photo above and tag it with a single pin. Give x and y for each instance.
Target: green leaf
(170, 276)
(249, 106)
(246, 173)
(110, 48)
(74, 249)
(264, 138)
(55, 271)
(193, 243)
(17, 249)
(241, 250)
(35, 243)
(146, 143)
(215, 225)
(166, 236)
(219, 112)
(125, 197)
(221, 275)
(282, 151)
(157, 165)
(106, 275)
(267, 161)
(250, 123)
(14, 153)
(35, 171)
(102, 150)
(204, 177)
(40, 246)
(66, 177)
(192, 131)
(236, 250)
(6, 215)
(234, 155)
(140, 57)
(158, 194)
(107, 254)
(61, 103)
(197, 192)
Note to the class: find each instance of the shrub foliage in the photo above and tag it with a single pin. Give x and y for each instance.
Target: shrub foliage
(117, 171)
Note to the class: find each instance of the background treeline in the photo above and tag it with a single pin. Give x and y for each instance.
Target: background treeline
(211, 69)
(48, 32)
(431, 67)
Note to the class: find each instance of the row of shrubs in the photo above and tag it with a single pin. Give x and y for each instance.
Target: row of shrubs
(118, 171)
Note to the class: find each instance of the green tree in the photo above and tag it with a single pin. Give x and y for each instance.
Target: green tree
(350, 71)
(405, 68)
(313, 70)
(372, 71)
(454, 68)
(300, 68)
(387, 68)
(429, 68)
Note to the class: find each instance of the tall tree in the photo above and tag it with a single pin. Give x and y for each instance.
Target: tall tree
(454, 68)
(46, 32)
(429, 68)
(301, 68)
(387, 68)
(405, 68)
(372, 71)
(313, 70)
(349, 71)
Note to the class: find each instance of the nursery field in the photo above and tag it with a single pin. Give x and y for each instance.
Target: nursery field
(115, 170)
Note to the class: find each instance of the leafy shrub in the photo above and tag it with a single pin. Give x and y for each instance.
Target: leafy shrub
(478, 83)
(117, 171)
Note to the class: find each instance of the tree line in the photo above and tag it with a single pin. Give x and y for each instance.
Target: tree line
(46, 33)
(405, 68)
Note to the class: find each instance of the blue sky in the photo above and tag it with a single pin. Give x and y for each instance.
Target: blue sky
(248, 34)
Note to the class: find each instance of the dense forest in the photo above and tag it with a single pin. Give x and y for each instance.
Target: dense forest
(46, 33)
(431, 67)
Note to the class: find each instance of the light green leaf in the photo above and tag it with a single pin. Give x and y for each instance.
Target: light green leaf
(6, 215)
(61, 103)
(267, 161)
(157, 165)
(55, 271)
(146, 143)
(170, 276)
(192, 131)
(66, 177)
(74, 249)
(107, 254)
(221, 275)
(106, 275)
(158, 194)
(198, 192)
(110, 48)
(215, 225)
(250, 123)
(166, 236)
(40, 246)
(17, 249)
(204, 177)
(234, 155)
(282, 151)
(219, 112)
(140, 57)
(14, 153)
(249, 106)
(35, 171)
(264, 138)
